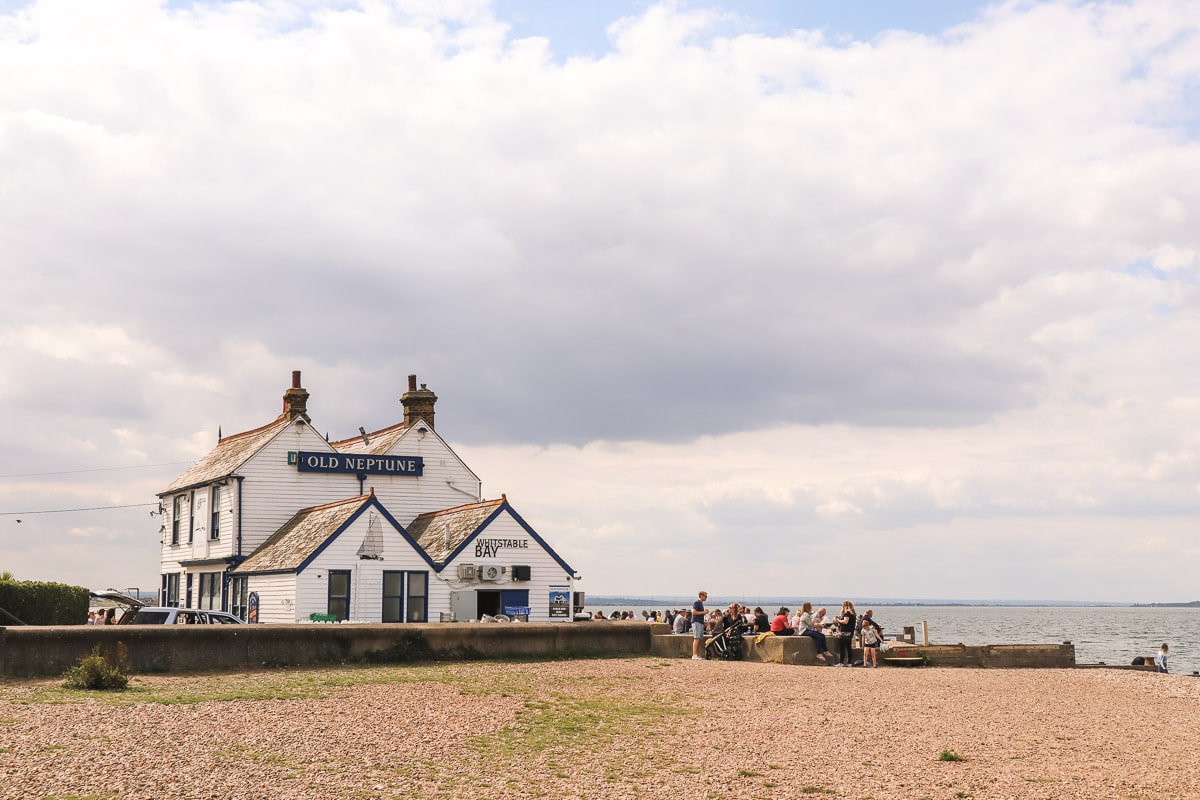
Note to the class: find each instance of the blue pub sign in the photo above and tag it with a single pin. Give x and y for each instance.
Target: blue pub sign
(357, 463)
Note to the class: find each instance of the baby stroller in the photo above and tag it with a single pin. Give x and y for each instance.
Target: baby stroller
(726, 644)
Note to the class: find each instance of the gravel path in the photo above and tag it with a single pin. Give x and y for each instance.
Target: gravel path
(618, 728)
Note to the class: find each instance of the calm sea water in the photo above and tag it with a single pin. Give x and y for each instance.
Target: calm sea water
(1113, 635)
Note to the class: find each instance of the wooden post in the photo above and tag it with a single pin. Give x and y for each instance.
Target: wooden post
(925, 632)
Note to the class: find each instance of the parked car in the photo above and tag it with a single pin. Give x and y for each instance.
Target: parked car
(158, 615)
(125, 605)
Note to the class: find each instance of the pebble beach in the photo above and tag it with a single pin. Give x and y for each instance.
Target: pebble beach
(611, 728)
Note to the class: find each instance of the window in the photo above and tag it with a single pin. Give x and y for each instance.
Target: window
(239, 594)
(339, 593)
(210, 591)
(191, 517)
(393, 596)
(418, 591)
(176, 511)
(170, 589)
(214, 525)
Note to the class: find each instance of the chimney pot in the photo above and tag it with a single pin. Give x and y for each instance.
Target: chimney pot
(418, 403)
(295, 400)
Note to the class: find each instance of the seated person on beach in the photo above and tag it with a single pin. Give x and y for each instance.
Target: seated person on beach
(780, 625)
(804, 627)
(822, 621)
(732, 617)
(683, 622)
(868, 617)
(761, 623)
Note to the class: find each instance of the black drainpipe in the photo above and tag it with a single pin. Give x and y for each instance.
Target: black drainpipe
(239, 479)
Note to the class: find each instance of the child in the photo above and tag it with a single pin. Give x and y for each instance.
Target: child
(1161, 659)
(870, 643)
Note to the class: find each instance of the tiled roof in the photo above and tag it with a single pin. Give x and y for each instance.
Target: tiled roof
(439, 533)
(300, 536)
(229, 454)
(381, 441)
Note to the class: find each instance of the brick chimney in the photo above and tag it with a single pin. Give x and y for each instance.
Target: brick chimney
(418, 403)
(295, 399)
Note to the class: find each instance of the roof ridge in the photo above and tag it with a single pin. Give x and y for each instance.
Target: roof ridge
(335, 503)
(463, 507)
(387, 429)
(252, 431)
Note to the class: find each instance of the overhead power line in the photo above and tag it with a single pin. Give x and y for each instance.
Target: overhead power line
(97, 469)
(66, 510)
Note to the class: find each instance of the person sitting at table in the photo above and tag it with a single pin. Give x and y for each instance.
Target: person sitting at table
(780, 625)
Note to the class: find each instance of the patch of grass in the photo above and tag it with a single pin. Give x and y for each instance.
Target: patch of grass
(816, 790)
(963, 795)
(748, 773)
(950, 755)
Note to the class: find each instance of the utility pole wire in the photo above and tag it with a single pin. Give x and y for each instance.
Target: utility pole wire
(66, 510)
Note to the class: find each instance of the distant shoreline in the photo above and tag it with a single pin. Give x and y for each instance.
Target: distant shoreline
(715, 600)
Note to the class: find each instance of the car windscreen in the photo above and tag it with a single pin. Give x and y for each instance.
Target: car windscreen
(150, 617)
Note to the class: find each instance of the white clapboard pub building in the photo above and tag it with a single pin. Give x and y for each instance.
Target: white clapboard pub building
(279, 524)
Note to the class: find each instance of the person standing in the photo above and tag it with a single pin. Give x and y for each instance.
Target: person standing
(698, 626)
(1160, 660)
(845, 624)
(870, 643)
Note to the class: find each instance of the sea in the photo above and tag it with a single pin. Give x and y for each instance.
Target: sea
(1113, 635)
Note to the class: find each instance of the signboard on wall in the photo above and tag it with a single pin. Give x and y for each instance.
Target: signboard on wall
(357, 463)
(560, 602)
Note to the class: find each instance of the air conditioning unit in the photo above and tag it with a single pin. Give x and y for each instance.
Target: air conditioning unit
(491, 573)
(466, 572)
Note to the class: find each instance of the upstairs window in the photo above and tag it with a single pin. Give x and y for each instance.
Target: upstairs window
(176, 512)
(214, 523)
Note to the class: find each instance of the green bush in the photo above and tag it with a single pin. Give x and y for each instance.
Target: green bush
(95, 672)
(43, 603)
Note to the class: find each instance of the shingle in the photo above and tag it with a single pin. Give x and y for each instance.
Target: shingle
(229, 454)
(439, 533)
(381, 441)
(300, 536)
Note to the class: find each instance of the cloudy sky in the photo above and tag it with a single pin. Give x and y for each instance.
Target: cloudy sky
(765, 297)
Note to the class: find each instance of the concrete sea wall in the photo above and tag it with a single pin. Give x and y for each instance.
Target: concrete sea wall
(34, 651)
(44, 651)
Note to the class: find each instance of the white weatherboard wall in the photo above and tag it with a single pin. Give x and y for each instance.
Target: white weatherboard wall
(545, 572)
(446, 481)
(276, 597)
(366, 575)
(275, 490)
